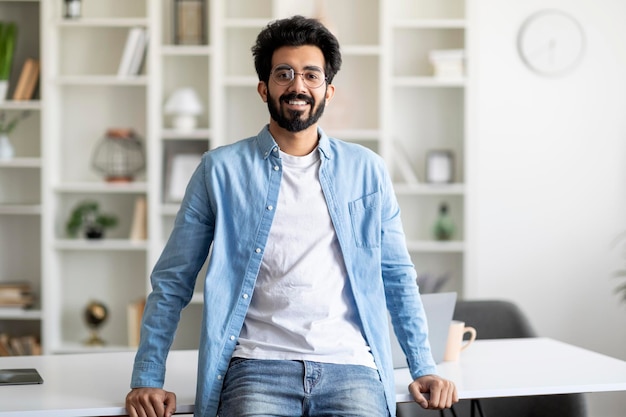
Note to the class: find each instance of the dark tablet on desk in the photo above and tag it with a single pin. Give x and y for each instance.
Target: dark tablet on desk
(20, 376)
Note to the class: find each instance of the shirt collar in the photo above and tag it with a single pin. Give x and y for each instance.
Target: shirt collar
(267, 144)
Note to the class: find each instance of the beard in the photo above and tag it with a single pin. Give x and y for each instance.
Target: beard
(294, 120)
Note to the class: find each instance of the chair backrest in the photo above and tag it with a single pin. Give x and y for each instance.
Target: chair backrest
(494, 319)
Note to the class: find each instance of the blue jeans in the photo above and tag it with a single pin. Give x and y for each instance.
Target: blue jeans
(277, 388)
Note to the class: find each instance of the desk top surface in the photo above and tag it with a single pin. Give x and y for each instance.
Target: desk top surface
(96, 384)
(519, 367)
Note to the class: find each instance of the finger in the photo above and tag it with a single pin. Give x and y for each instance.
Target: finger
(419, 398)
(170, 404)
(435, 396)
(148, 407)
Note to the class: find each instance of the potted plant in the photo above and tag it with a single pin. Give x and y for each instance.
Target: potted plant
(8, 34)
(619, 244)
(86, 217)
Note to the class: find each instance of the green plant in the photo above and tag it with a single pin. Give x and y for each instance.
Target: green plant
(620, 244)
(7, 126)
(86, 216)
(8, 34)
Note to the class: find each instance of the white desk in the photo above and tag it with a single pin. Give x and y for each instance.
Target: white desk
(89, 384)
(519, 367)
(96, 384)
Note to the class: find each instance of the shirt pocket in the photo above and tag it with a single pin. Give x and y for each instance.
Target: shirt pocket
(365, 219)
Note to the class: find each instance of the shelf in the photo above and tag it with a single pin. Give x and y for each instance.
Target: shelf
(21, 163)
(355, 134)
(100, 244)
(429, 189)
(195, 134)
(428, 82)
(20, 209)
(103, 80)
(430, 24)
(7, 313)
(186, 50)
(103, 22)
(435, 246)
(20, 105)
(245, 23)
(103, 187)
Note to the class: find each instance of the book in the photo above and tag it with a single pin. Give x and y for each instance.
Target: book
(5, 345)
(404, 165)
(133, 40)
(134, 316)
(139, 227)
(139, 53)
(14, 291)
(27, 81)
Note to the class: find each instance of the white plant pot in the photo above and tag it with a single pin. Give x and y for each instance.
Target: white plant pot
(6, 147)
(4, 89)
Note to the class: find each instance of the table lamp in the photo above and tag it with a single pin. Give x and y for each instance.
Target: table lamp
(184, 105)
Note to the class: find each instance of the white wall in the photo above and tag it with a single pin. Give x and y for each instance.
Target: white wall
(548, 180)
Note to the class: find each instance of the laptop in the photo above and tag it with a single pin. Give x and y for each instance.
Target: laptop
(439, 308)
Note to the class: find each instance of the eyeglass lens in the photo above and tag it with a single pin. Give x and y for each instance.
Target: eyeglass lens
(284, 75)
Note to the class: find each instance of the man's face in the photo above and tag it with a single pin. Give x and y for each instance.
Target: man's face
(296, 105)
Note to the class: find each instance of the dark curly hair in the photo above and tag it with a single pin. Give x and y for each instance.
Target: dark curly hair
(295, 31)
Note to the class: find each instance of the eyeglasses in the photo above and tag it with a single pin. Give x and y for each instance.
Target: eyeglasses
(312, 77)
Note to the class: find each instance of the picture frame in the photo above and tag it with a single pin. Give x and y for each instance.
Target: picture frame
(182, 157)
(440, 166)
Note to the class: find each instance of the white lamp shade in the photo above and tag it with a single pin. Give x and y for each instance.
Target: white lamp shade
(184, 101)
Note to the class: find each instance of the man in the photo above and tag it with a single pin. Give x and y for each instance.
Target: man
(307, 255)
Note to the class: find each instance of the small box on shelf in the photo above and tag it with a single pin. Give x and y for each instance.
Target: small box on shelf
(448, 63)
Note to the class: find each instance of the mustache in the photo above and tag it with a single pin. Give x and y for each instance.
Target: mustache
(294, 96)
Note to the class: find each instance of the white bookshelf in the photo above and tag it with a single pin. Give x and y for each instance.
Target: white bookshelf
(386, 92)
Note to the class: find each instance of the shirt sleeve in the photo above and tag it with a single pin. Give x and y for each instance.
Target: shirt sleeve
(173, 280)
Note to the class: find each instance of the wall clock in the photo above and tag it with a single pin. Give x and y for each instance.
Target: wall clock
(551, 42)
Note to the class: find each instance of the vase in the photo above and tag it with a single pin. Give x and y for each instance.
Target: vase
(4, 89)
(6, 148)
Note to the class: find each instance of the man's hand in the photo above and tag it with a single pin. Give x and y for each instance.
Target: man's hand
(442, 392)
(150, 402)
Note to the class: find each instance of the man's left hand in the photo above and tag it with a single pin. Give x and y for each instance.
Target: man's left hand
(442, 392)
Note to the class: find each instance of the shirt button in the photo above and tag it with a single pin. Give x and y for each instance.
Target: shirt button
(232, 337)
(270, 208)
(275, 150)
(276, 168)
(245, 296)
(219, 377)
(258, 250)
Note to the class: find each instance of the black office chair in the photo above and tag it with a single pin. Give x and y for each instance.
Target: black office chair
(496, 319)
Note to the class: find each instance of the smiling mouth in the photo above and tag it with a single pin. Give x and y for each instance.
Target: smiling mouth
(297, 102)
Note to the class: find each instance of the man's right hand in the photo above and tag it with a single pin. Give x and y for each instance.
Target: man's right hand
(150, 402)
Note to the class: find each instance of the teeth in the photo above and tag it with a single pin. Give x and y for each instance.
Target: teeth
(297, 102)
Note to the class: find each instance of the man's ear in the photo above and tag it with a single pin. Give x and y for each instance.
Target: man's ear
(330, 92)
(262, 90)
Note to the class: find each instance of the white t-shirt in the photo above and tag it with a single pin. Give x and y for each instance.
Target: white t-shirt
(302, 307)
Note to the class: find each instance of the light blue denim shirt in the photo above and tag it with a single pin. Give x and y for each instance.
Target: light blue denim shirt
(228, 207)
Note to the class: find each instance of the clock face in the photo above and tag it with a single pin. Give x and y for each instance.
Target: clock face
(551, 42)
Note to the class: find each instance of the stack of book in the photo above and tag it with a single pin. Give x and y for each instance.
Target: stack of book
(19, 346)
(16, 295)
